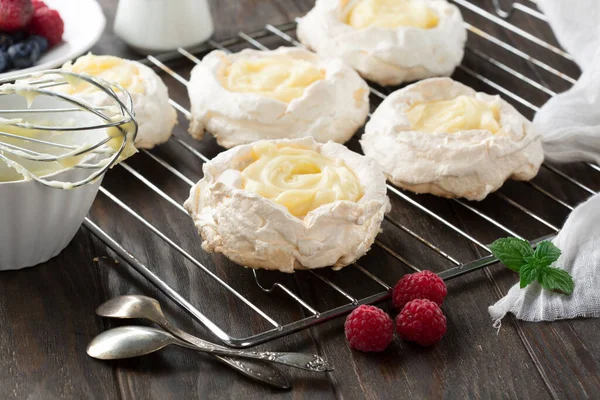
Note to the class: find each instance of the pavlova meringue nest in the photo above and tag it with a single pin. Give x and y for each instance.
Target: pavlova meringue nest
(278, 94)
(444, 160)
(153, 112)
(258, 232)
(429, 45)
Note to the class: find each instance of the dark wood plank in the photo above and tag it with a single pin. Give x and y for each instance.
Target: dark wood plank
(47, 322)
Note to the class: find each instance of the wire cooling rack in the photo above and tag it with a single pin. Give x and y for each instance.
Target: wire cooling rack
(284, 35)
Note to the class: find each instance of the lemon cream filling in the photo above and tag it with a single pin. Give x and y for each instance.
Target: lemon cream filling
(8, 173)
(109, 68)
(298, 178)
(450, 116)
(391, 14)
(283, 79)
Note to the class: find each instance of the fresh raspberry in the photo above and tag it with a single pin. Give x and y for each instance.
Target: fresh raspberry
(421, 321)
(420, 285)
(47, 23)
(37, 4)
(369, 328)
(15, 14)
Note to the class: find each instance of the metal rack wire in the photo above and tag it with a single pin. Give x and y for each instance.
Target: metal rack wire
(311, 315)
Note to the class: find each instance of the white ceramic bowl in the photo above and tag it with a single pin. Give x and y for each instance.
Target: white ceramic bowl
(37, 222)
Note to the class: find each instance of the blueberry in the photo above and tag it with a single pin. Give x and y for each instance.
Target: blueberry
(41, 41)
(4, 61)
(5, 41)
(18, 36)
(24, 55)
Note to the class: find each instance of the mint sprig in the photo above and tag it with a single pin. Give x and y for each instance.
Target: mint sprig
(533, 265)
(512, 252)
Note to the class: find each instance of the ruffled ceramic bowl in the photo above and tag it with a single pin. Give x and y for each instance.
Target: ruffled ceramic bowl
(36, 221)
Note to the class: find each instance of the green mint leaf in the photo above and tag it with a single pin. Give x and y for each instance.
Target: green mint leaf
(546, 253)
(557, 280)
(528, 274)
(535, 262)
(511, 252)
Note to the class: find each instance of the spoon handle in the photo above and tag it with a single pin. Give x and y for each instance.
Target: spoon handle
(257, 370)
(309, 362)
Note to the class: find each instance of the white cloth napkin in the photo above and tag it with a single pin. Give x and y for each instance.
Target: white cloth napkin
(570, 122)
(570, 125)
(579, 241)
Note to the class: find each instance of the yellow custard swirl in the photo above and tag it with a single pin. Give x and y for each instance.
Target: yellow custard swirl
(460, 114)
(391, 14)
(298, 178)
(280, 78)
(8, 174)
(109, 68)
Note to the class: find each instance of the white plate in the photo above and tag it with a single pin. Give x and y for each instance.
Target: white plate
(84, 24)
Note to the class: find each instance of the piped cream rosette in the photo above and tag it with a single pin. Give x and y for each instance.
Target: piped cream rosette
(280, 94)
(439, 136)
(153, 113)
(289, 204)
(387, 41)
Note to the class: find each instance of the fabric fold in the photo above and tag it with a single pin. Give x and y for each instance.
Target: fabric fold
(570, 121)
(579, 241)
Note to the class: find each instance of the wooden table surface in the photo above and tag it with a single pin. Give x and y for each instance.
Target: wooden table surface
(47, 312)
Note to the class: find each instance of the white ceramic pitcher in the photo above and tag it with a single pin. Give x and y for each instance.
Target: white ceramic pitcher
(151, 26)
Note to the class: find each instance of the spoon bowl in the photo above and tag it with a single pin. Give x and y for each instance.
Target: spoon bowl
(128, 342)
(132, 306)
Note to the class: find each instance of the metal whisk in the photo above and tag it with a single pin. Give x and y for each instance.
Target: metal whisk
(47, 128)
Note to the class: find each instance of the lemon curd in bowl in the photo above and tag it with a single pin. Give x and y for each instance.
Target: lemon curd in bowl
(38, 221)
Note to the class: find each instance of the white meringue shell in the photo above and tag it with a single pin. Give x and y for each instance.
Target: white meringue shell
(386, 56)
(256, 232)
(333, 108)
(153, 112)
(469, 164)
(156, 117)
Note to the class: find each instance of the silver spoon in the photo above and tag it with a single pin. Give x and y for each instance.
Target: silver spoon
(133, 341)
(143, 307)
(134, 306)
